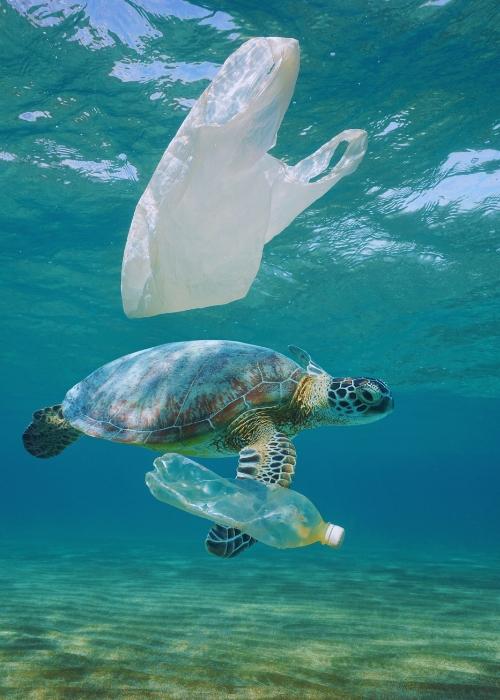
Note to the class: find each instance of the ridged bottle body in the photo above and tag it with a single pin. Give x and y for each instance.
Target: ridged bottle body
(271, 514)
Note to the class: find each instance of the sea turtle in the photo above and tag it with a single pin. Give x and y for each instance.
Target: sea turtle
(210, 398)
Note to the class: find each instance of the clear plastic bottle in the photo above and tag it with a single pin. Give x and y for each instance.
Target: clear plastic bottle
(272, 514)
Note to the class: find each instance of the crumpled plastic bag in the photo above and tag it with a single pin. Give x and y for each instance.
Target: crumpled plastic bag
(217, 197)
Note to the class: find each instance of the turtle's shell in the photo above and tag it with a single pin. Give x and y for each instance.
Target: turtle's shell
(180, 392)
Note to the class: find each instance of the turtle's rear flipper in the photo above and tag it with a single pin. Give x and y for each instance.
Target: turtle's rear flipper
(49, 433)
(227, 542)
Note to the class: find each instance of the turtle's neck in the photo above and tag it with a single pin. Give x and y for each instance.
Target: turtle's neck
(308, 407)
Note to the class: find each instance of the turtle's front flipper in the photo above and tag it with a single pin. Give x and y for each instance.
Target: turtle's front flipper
(49, 433)
(271, 461)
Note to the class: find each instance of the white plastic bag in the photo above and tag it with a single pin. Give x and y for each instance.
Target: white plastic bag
(217, 197)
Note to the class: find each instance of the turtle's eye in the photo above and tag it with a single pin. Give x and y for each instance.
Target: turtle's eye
(368, 394)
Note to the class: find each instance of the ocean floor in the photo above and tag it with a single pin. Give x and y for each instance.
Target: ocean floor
(127, 621)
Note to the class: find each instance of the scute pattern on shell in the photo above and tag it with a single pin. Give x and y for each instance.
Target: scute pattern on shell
(180, 391)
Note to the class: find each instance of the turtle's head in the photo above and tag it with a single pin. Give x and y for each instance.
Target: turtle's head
(344, 400)
(353, 401)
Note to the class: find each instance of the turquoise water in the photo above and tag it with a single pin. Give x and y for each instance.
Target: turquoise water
(107, 593)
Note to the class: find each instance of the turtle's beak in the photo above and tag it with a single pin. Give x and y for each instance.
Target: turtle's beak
(385, 406)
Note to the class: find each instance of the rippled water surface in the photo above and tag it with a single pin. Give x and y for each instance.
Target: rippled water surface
(394, 273)
(395, 270)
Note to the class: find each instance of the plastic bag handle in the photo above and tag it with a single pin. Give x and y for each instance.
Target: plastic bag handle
(318, 162)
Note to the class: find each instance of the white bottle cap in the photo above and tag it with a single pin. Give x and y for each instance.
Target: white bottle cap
(334, 536)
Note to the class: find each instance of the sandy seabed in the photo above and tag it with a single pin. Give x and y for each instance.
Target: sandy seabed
(134, 621)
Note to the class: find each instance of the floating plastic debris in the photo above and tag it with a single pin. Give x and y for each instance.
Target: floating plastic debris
(272, 514)
(217, 197)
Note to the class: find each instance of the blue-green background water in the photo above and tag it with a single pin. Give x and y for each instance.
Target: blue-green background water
(394, 273)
